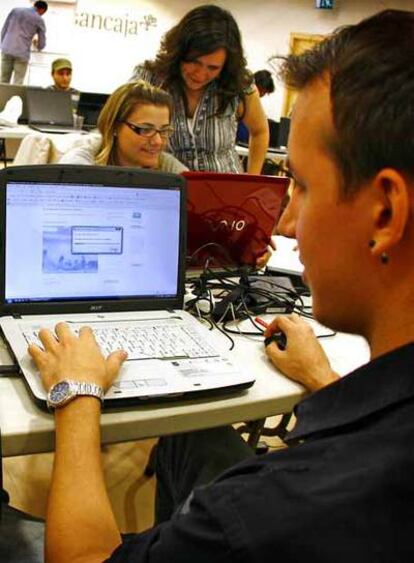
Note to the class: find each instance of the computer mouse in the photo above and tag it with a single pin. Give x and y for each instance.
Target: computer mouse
(279, 338)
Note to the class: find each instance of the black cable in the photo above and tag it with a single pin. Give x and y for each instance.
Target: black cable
(225, 334)
(248, 300)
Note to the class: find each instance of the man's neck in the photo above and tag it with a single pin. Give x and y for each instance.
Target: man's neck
(393, 322)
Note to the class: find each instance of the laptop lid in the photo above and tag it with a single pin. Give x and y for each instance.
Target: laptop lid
(231, 217)
(273, 133)
(49, 107)
(90, 105)
(283, 133)
(95, 239)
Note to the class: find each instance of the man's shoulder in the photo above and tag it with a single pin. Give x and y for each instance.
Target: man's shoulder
(319, 489)
(25, 11)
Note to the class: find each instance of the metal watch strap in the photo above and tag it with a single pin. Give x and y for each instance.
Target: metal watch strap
(74, 389)
(87, 388)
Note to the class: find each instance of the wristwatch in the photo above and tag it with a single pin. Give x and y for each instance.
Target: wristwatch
(66, 390)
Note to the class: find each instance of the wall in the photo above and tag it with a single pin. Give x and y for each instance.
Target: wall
(106, 38)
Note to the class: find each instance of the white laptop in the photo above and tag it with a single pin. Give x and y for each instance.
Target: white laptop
(105, 247)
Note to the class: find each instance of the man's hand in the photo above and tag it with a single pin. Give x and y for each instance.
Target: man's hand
(65, 356)
(304, 359)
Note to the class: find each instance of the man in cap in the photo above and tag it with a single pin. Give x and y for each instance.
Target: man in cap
(62, 78)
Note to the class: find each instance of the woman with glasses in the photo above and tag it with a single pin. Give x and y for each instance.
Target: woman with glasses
(134, 126)
(202, 64)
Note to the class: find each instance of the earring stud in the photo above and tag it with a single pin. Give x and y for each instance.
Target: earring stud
(384, 258)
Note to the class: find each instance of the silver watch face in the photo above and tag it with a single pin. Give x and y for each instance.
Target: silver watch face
(59, 392)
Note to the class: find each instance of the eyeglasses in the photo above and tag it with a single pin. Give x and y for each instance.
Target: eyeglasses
(148, 132)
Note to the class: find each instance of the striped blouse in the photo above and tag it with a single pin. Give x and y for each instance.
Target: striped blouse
(205, 142)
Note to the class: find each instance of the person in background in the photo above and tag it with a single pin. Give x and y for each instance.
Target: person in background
(202, 64)
(265, 85)
(134, 126)
(344, 489)
(264, 82)
(22, 27)
(62, 77)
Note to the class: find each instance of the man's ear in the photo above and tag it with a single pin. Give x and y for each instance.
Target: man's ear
(391, 209)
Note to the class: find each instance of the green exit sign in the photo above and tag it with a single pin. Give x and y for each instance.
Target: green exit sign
(325, 4)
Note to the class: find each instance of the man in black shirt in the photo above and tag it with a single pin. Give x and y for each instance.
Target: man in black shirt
(343, 491)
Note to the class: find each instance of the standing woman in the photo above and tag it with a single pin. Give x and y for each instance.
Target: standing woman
(202, 64)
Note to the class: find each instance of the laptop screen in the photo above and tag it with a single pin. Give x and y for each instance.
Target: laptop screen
(231, 217)
(51, 107)
(89, 242)
(90, 105)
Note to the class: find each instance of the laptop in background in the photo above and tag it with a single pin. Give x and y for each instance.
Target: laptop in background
(278, 136)
(283, 133)
(105, 247)
(231, 217)
(50, 111)
(90, 105)
(273, 133)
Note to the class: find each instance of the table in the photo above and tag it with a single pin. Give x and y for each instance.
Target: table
(26, 429)
(17, 132)
(280, 154)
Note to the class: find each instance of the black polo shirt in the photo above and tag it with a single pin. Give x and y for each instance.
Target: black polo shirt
(343, 491)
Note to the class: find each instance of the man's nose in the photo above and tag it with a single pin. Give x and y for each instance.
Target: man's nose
(286, 225)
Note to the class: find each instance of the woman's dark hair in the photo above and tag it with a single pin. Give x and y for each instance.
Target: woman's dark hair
(202, 31)
(371, 73)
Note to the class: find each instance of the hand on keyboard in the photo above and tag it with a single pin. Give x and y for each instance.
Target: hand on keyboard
(67, 356)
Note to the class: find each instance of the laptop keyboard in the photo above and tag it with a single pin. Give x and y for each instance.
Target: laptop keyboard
(149, 341)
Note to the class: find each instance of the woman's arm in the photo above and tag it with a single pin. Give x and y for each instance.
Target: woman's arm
(256, 122)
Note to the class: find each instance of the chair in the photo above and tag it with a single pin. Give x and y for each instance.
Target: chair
(41, 148)
(254, 428)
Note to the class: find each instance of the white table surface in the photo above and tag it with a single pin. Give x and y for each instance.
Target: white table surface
(18, 132)
(27, 429)
(272, 153)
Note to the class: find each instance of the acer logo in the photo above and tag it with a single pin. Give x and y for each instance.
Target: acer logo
(229, 226)
(96, 308)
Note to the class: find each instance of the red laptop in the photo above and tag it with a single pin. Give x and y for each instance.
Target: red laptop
(231, 217)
